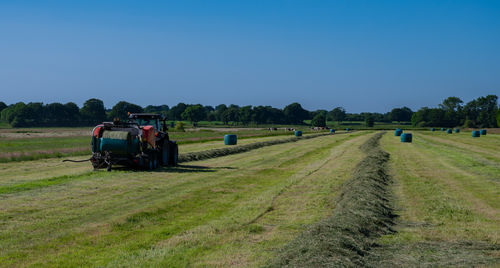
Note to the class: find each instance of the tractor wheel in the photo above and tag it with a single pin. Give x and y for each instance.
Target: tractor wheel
(142, 163)
(165, 154)
(176, 154)
(155, 161)
(173, 150)
(150, 164)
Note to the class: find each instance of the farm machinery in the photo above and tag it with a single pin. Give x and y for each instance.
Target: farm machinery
(141, 142)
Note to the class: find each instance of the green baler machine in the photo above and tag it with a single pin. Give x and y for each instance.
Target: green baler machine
(137, 143)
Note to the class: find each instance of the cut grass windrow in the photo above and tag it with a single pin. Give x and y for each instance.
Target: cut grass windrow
(362, 214)
(196, 156)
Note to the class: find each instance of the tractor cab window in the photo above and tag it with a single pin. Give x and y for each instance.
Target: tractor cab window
(149, 122)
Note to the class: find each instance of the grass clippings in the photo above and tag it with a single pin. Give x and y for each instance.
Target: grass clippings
(363, 213)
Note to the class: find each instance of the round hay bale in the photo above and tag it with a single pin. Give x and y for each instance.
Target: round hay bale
(476, 134)
(298, 133)
(443, 129)
(398, 132)
(332, 130)
(433, 129)
(347, 129)
(406, 137)
(449, 131)
(457, 130)
(230, 139)
(483, 132)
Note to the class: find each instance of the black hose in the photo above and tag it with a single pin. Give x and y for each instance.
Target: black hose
(76, 161)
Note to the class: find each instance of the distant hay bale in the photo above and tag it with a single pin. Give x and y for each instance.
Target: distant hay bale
(433, 129)
(406, 137)
(230, 139)
(298, 133)
(443, 129)
(457, 130)
(476, 134)
(449, 131)
(347, 129)
(398, 132)
(483, 132)
(332, 130)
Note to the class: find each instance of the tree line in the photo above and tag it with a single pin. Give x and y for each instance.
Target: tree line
(481, 112)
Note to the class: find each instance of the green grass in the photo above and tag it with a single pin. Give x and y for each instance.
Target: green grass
(39, 148)
(449, 200)
(210, 213)
(362, 213)
(4, 124)
(242, 209)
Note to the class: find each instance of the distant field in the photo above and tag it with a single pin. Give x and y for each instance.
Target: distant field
(42, 143)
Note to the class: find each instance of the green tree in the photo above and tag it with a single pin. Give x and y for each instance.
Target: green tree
(401, 114)
(245, 114)
(2, 106)
(498, 117)
(122, 108)
(453, 111)
(319, 120)
(230, 115)
(369, 120)
(159, 109)
(482, 111)
(429, 117)
(175, 113)
(295, 114)
(211, 117)
(314, 113)
(219, 110)
(338, 114)
(451, 104)
(194, 113)
(488, 107)
(93, 111)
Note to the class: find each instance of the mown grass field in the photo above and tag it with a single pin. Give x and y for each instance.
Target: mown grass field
(246, 209)
(211, 212)
(447, 189)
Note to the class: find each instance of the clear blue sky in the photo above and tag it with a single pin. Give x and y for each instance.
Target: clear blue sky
(362, 55)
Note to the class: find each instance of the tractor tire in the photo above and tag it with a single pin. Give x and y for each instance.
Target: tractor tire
(150, 164)
(155, 161)
(174, 154)
(142, 163)
(165, 153)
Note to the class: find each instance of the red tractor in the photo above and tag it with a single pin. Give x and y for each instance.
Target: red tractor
(141, 142)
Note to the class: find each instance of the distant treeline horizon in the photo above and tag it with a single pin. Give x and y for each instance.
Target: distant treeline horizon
(480, 112)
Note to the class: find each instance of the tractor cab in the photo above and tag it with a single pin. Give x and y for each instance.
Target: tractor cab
(155, 120)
